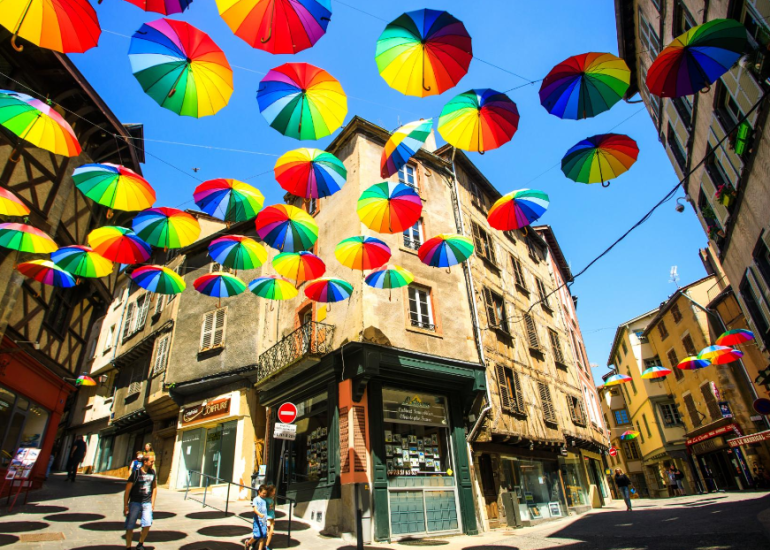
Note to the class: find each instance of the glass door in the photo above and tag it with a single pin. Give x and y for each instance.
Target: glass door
(192, 442)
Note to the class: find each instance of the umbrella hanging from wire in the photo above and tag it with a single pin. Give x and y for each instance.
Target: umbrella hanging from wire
(735, 337)
(693, 363)
(616, 379)
(656, 372)
(403, 144)
(166, 227)
(81, 261)
(237, 252)
(159, 279)
(46, 272)
(299, 266)
(600, 158)
(389, 277)
(518, 209)
(310, 173)
(65, 26)
(479, 120)
(229, 200)
(219, 285)
(286, 228)
(362, 253)
(114, 186)
(389, 207)
(273, 288)
(328, 290)
(25, 238)
(720, 355)
(119, 244)
(11, 205)
(445, 250)
(163, 7)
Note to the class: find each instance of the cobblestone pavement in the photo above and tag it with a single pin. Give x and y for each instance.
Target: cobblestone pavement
(87, 515)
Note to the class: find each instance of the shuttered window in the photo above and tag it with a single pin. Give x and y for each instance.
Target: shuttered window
(549, 412)
(675, 313)
(161, 354)
(534, 341)
(673, 362)
(496, 316)
(711, 401)
(484, 246)
(511, 394)
(662, 330)
(577, 410)
(213, 329)
(542, 294)
(518, 273)
(533, 251)
(215, 267)
(689, 347)
(558, 355)
(159, 302)
(142, 307)
(631, 450)
(692, 410)
(128, 322)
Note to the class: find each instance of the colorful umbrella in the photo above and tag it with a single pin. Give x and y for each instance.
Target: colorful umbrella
(735, 337)
(697, 58)
(389, 277)
(299, 266)
(163, 7)
(600, 158)
(517, 209)
(389, 207)
(362, 253)
(402, 145)
(84, 380)
(656, 372)
(119, 244)
(616, 379)
(11, 205)
(237, 252)
(181, 68)
(273, 288)
(166, 227)
(81, 261)
(46, 272)
(37, 123)
(445, 250)
(302, 101)
(310, 173)
(720, 355)
(424, 52)
(479, 120)
(25, 238)
(158, 279)
(585, 85)
(328, 289)
(277, 26)
(66, 26)
(229, 200)
(693, 363)
(630, 434)
(219, 285)
(113, 186)
(286, 228)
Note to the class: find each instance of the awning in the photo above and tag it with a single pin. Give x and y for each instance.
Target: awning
(721, 427)
(751, 438)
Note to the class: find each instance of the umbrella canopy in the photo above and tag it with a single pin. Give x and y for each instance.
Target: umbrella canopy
(390, 276)
(479, 120)
(66, 26)
(81, 261)
(37, 123)
(11, 205)
(286, 228)
(517, 209)
(25, 238)
(219, 285)
(119, 244)
(229, 200)
(277, 26)
(600, 158)
(46, 272)
(328, 289)
(693, 363)
(163, 7)
(389, 207)
(310, 173)
(84, 380)
(616, 379)
(237, 252)
(362, 253)
(402, 145)
(735, 337)
(299, 266)
(166, 227)
(302, 101)
(181, 68)
(445, 250)
(158, 279)
(720, 355)
(697, 58)
(656, 372)
(424, 52)
(630, 434)
(585, 85)
(113, 186)
(273, 288)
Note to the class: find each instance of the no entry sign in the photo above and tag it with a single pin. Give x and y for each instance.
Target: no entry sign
(613, 451)
(287, 413)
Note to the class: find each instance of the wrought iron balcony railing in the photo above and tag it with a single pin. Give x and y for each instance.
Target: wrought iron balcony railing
(310, 340)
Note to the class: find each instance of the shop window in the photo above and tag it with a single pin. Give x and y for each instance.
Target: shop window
(549, 412)
(631, 450)
(532, 337)
(543, 295)
(496, 313)
(421, 308)
(711, 401)
(692, 411)
(484, 245)
(621, 416)
(219, 452)
(689, 347)
(676, 314)
(213, 329)
(577, 410)
(511, 393)
(558, 354)
(662, 330)
(217, 267)
(518, 274)
(406, 175)
(541, 488)
(679, 152)
(670, 414)
(309, 458)
(22, 424)
(413, 236)
(161, 354)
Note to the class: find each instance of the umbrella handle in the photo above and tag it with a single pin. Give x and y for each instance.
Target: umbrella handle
(525, 230)
(424, 87)
(17, 47)
(270, 26)
(706, 89)
(18, 156)
(605, 184)
(110, 213)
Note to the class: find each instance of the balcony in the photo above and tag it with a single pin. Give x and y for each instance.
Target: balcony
(305, 345)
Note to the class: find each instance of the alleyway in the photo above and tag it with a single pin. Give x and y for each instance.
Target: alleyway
(87, 516)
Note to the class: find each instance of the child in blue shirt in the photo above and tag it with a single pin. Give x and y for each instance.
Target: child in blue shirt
(259, 532)
(270, 501)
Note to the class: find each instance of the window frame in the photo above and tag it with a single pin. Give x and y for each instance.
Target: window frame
(494, 301)
(647, 34)
(409, 241)
(480, 233)
(213, 330)
(620, 414)
(546, 403)
(543, 293)
(518, 274)
(676, 314)
(670, 411)
(162, 349)
(558, 353)
(533, 338)
(690, 350)
(679, 152)
(662, 330)
(511, 390)
(419, 323)
(415, 184)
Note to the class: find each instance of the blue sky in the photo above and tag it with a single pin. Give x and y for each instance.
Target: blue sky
(527, 38)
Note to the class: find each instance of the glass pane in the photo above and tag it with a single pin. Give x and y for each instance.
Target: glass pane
(11, 438)
(22, 404)
(105, 454)
(6, 407)
(308, 460)
(191, 458)
(37, 418)
(227, 457)
(212, 455)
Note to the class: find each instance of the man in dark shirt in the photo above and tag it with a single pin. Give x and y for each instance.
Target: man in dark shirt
(77, 455)
(624, 486)
(139, 500)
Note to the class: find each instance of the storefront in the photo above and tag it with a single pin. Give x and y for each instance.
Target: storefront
(722, 467)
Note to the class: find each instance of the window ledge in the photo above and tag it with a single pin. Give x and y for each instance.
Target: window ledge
(522, 288)
(489, 262)
(210, 352)
(408, 250)
(426, 332)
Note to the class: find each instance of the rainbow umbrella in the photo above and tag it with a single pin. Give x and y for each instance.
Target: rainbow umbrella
(229, 200)
(424, 52)
(389, 207)
(328, 289)
(81, 261)
(445, 250)
(84, 380)
(402, 145)
(299, 266)
(163, 7)
(113, 186)
(656, 372)
(697, 58)
(219, 285)
(46, 272)
(720, 355)
(362, 253)
(310, 173)
(735, 337)
(600, 158)
(66, 26)
(158, 279)
(237, 252)
(277, 26)
(273, 288)
(11, 205)
(25, 238)
(585, 85)
(693, 363)
(616, 379)
(166, 227)
(479, 120)
(181, 68)
(517, 209)
(389, 277)
(630, 434)
(302, 101)
(286, 228)
(37, 123)
(119, 244)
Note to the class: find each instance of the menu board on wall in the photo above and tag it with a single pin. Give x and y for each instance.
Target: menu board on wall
(414, 408)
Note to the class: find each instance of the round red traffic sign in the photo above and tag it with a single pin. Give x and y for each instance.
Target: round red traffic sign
(613, 451)
(287, 413)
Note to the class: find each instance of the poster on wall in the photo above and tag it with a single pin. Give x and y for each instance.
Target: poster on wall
(555, 509)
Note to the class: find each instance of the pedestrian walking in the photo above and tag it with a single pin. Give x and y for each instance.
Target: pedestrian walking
(678, 480)
(623, 484)
(259, 531)
(148, 450)
(77, 455)
(270, 501)
(137, 462)
(139, 500)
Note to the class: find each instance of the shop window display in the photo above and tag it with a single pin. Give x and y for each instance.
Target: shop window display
(574, 480)
(310, 450)
(22, 424)
(541, 488)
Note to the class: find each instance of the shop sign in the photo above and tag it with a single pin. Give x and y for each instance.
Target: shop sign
(413, 408)
(724, 406)
(712, 433)
(709, 445)
(285, 431)
(748, 439)
(206, 411)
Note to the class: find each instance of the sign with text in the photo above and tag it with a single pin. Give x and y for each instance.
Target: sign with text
(414, 408)
(713, 433)
(206, 411)
(287, 413)
(747, 439)
(285, 431)
(724, 406)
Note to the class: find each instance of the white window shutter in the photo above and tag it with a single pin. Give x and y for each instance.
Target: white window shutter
(207, 330)
(218, 338)
(161, 355)
(159, 304)
(128, 322)
(143, 308)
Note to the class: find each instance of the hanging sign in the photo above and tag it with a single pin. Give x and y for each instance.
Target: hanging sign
(285, 431)
(747, 439)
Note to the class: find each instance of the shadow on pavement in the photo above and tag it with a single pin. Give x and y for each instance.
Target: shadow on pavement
(212, 545)
(208, 515)
(105, 526)
(6, 540)
(224, 531)
(249, 514)
(279, 541)
(102, 547)
(164, 536)
(74, 517)
(283, 525)
(162, 515)
(22, 526)
(32, 508)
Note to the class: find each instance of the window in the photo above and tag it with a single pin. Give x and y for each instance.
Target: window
(625, 348)
(683, 20)
(639, 429)
(711, 401)
(692, 411)
(58, 313)
(511, 394)
(496, 314)
(142, 307)
(662, 330)
(518, 274)
(312, 206)
(159, 301)
(213, 329)
(728, 112)
(761, 256)
(477, 197)
(673, 362)
(689, 347)
(680, 155)
(715, 170)
(675, 313)
(215, 267)
(649, 38)
(633, 384)
(756, 304)
(533, 251)
(653, 101)
(484, 246)
(110, 338)
(543, 294)
(577, 410)
(631, 450)
(161, 354)
(532, 338)
(654, 362)
(420, 308)
(646, 425)
(406, 176)
(413, 236)
(621, 417)
(683, 106)
(755, 25)
(128, 322)
(558, 355)
(549, 413)
(670, 414)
